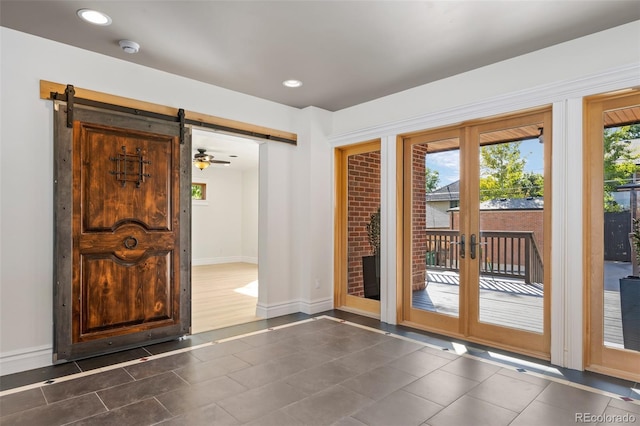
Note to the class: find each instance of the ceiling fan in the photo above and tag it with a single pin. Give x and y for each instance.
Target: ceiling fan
(202, 160)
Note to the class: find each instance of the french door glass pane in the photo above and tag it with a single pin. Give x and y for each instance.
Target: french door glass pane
(510, 242)
(621, 292)
(363, 225)
(435, 262)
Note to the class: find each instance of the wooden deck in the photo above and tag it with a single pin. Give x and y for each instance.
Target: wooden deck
(509, 303)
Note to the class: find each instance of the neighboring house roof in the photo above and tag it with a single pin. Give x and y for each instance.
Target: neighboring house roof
(449, 192)
(531, 203)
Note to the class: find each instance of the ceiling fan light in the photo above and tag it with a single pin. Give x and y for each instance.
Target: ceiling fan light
(201, 164)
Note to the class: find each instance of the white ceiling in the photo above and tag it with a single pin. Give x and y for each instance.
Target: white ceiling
(345, 52)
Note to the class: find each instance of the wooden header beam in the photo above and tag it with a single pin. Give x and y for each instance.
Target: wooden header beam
(244, 129)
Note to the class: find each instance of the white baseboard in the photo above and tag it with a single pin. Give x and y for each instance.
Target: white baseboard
(217, 260)
(248, 259)
(292, 307)
(277, 310)
(25, 359)
(315, 306)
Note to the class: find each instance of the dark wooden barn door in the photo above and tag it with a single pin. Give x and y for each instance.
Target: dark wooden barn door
(122, 233)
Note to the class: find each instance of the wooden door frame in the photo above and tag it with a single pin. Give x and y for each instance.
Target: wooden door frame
(439, 323)
(342, 300)
(469, 167)
(597, 356)
(529, 343)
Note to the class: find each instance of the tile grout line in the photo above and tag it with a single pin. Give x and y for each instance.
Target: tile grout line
(144, 359)
(338, 320)
(495, 363)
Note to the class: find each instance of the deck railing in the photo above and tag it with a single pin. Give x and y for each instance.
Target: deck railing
(512, 254)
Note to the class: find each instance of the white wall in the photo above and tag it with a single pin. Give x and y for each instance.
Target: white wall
(296, 182)
(250, 185)
(585, 56)
(312, 213)
(560, 76)
(26, 216)
(225, 226)
(217, 222)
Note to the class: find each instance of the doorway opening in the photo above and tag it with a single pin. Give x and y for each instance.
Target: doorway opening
(224, 228)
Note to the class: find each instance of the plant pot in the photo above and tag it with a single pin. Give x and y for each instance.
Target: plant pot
(371, 277)
(630, 309)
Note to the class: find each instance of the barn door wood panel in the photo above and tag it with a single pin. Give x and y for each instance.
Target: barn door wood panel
(122, 246)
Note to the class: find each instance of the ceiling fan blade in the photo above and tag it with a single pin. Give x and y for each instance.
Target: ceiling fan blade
(219, 162)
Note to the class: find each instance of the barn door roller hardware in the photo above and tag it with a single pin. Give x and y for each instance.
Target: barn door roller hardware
(70, 98)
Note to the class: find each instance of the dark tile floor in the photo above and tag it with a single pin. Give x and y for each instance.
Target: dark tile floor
(316, 372)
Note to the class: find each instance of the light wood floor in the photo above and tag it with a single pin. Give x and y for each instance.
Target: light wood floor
(223, 295)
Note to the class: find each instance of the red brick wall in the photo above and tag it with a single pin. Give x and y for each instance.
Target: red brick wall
(419, 218)
(363, 200)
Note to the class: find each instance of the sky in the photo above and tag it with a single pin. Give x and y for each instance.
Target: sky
(447, 163)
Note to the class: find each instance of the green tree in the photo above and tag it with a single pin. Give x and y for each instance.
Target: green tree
(619, 161)
(432, 179)
(501, 171)
(196, 192)
(532, 184)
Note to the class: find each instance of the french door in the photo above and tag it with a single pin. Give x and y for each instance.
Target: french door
(611, 177)
(476, 210)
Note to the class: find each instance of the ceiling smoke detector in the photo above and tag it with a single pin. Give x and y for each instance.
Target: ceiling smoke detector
(129, 46)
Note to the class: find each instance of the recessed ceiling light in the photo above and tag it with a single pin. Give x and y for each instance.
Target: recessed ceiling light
(292, 83)
(94, 17)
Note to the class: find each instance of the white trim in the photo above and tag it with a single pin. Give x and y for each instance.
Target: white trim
(294, 306)
(315, 306)
(613, 79)
(25, 359)
(219, 260)
(250, 259)
(278, 309)
(388, 293)
(573, 242)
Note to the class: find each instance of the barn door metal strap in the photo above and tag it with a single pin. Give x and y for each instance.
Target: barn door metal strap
(71, 100)
(69, 97)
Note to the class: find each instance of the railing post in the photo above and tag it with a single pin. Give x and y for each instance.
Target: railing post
(527, 260)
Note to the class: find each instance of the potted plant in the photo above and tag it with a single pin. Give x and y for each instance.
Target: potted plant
(630, 295)
(371, 264)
